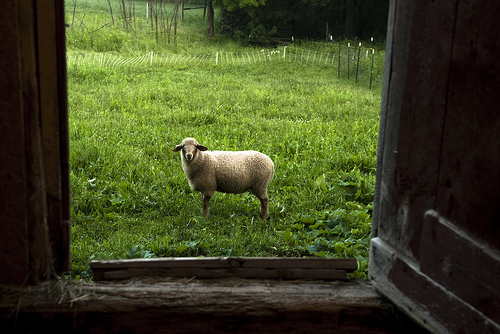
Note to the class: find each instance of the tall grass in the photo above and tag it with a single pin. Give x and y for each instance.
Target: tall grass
(130, 197)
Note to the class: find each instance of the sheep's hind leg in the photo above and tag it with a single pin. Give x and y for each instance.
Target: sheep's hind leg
(264, 207)
(206, 200)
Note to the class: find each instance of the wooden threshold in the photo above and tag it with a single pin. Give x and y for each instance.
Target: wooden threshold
(225, 267)
(231, 305)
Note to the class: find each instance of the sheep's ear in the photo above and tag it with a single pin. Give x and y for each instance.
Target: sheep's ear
(178, 148)
(201, 147)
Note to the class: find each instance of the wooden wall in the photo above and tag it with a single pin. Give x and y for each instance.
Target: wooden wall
(34, 179)
(436, 227)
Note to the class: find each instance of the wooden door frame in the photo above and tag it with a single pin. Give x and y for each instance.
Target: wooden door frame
(35, 174)
(434, 250)
(35, 208)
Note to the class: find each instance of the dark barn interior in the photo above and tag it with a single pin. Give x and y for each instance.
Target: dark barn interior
(435, 249)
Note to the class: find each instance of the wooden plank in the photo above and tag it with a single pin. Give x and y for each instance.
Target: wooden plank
(13, 230)
(211, 262)
(451, 257)
(254, 273)
(230, 262)
(200, 306)
(40, 252)
(270, 273)
(412, 118)
(62, 87)
(400, 279)
(51, 122)
(468, 193)
(439, 150)
(349, 265)
(214, 267)
(26, 125)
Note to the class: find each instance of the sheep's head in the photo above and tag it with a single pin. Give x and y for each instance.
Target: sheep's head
(189, 147)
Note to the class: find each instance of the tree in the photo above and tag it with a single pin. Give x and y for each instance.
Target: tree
(262, 20)
(210, 17)
(229, 5)
(350, 19)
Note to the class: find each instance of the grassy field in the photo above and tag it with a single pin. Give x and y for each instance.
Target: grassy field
(130, 197)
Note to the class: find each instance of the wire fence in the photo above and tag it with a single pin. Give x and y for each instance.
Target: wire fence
(351, 63)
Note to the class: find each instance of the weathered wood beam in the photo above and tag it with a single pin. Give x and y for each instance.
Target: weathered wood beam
(214, 267)
(53, 114)
(34, 199)
(402, 281)
(195, 306)
(13, 220)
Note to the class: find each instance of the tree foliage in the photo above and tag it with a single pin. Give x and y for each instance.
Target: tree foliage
(231, 5)
(260, 20)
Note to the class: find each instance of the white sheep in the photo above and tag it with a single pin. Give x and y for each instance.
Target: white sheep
(227, 172)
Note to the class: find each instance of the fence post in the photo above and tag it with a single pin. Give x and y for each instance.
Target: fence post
(340, 71)
(357, 66)
(348, 59)
(371, 74)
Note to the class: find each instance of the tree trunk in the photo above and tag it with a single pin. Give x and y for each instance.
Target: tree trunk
(210, 30)
(350, 19)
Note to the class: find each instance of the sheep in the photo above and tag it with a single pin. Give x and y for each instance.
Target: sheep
(227, 172)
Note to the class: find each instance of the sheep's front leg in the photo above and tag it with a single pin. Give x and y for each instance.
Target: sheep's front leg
(264, 207)
(206, 200)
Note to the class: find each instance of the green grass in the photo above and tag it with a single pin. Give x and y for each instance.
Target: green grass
(131, 199)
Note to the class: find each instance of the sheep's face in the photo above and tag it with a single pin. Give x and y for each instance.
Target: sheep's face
(190, 148)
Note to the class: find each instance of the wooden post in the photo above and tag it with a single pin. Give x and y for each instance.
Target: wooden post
(371, 69)
(357, 65)
(340, 71)
(348, 59)
(34, 215)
